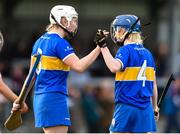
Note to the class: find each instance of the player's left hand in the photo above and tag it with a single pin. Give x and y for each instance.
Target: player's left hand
(100, 38)
(156, 114)
(23, 108)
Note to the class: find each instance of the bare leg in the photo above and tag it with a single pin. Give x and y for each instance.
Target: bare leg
(56, 129)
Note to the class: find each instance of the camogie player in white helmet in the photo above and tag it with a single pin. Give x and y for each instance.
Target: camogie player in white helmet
(58, 57)
(135, 81)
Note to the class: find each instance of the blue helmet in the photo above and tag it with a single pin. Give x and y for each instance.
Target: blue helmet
(127, 22)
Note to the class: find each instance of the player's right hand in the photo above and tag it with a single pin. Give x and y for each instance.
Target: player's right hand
(100, 38)
(23, 108)
(156, 114)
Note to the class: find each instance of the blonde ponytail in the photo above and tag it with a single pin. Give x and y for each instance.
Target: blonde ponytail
(51, 26)
(136, 37)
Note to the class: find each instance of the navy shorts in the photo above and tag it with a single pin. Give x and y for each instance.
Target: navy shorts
(128, 118)
(50, 109)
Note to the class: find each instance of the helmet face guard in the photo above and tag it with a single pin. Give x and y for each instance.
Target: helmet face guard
(71, 34)
(130, 23)
(114, 33)
(69, 13)
(73, 26)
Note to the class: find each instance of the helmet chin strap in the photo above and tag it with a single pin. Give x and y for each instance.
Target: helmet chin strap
(69, 33)
(121, 43)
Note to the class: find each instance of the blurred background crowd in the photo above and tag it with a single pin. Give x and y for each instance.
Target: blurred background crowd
(91, 94)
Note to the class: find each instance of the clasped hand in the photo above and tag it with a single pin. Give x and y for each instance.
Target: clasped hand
(101, 38)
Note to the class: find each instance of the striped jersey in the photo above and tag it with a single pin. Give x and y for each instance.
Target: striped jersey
(52, 72)
(134, 82)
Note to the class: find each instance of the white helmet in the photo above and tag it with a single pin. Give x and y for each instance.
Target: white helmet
(59, 11)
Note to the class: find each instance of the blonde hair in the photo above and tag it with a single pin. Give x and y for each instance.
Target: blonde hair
(136, 37)
(51, 26)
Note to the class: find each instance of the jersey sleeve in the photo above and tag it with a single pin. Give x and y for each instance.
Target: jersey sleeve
(122, 56)
(153, 63)
(64, 50)
(33, 51)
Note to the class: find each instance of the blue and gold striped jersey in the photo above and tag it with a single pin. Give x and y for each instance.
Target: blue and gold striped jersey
(134, 82)
(52, 71)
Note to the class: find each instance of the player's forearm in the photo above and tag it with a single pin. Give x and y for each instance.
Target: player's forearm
(7, 92)
(111, 63)
(155, 96)
(86, 61)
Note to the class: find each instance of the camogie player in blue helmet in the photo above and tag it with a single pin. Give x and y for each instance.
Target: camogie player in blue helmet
(135, 81)
(50, 96)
